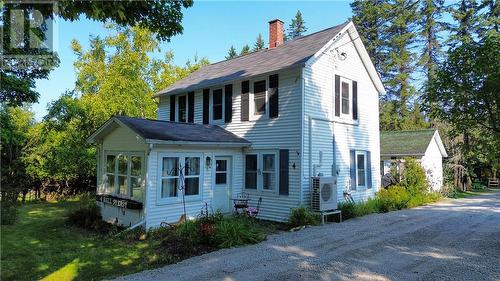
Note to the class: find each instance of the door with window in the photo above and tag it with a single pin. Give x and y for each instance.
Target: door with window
(222, 187)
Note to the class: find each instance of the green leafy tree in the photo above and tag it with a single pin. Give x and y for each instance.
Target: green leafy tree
(245, 50)
(259, 43)
(465, 91)
(297, 27)
(162, 17)
(231, 53)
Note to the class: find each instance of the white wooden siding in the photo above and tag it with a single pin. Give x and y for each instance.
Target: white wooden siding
(264, 133)
(319, 103)
(156, 211)
(432, 162)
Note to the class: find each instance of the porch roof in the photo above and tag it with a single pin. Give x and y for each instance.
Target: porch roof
(158, 131)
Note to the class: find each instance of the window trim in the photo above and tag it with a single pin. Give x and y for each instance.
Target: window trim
(260, 172)
(115, 190)
(178, 199)
(177, 108)
(365, 170)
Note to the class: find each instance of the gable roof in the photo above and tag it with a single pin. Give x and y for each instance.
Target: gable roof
(153, 131)
(408, 143)
(291, 54)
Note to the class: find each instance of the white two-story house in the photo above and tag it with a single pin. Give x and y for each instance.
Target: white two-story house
(262, 123)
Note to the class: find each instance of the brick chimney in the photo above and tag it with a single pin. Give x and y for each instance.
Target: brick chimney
(275, 33)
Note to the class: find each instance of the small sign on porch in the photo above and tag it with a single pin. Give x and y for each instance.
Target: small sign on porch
(119, 202)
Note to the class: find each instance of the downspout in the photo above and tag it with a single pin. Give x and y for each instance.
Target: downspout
(302, 112)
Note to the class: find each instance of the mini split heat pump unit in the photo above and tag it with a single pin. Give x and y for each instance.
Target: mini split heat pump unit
(323, 194)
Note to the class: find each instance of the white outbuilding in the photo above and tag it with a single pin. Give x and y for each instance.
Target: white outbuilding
(424, 145)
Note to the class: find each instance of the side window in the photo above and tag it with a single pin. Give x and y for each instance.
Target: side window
(110, 174)
(345, 97)
(259, 97)
(217, 105)
(361, 169)
(261, 171)
(169, 177)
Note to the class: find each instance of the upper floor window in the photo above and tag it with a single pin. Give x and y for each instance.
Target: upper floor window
(345, 97)
(217, 105)
(182, 109)
(259, 97)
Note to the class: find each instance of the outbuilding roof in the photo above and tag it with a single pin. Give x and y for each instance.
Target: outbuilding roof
(408, 143)
(291, 54)
(157, 130)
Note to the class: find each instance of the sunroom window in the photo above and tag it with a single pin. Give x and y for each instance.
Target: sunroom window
(180, 174)
(124, 175)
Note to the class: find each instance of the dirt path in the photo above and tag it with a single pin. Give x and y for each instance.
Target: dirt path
(452, 240)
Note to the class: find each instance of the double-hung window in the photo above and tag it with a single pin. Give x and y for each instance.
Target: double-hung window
(217, 105)
(259, 97)
(180, 174)
(261, 171)
(124, 175)
(346, 96)
(361, 171)
(182, 109)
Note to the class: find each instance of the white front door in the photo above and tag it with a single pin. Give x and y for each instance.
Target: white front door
(222, 187)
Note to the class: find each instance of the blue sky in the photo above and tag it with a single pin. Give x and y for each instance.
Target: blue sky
(210, 28)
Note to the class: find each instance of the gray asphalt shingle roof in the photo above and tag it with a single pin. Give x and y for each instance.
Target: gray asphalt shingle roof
(176, 131)
(400, 143)
(291, 54)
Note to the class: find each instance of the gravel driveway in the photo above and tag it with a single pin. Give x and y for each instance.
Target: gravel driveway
(452, 240)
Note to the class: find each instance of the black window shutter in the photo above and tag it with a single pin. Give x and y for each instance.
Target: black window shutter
(353, 170)
(245, 93)
(228, 103)
(191, 107)
(273, 96)
(172, 108)
(337, 95)
(206, 105)
(369, 169)
(354, 100)
(284, 159)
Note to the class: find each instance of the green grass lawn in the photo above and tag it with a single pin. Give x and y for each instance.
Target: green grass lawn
(42, 246)
(474, 192)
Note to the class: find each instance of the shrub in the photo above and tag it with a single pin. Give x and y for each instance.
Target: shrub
(348, 210)
(237, 231)
(302, 216)
(414, 179)
(393, 198)
(88, 216)
(8, 207)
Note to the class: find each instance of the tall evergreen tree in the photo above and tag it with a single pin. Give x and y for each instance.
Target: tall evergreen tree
(245, 50)
(370, 17)
(465, 13)
(259, 43)
(490, 17)
(430, 28)
(231, 53)
(401, 62)
(298, 26)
